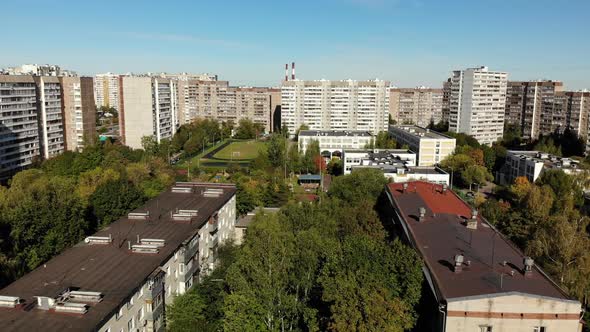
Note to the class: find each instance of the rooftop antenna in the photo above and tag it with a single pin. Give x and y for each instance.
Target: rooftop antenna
(286, 71)
(293, 70)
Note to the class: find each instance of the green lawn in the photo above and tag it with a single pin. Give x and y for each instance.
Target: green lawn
(240, 150)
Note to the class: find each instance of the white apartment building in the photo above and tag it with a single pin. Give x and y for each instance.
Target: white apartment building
(432, 147)
(332, 141)
(122, 278)
(477, 103)
(397, 165)
(51, 124)
(148, 107)
(335, 105)
(419, 106)
(531, 165)
(106, 90)
(19, 127)
(39, 70)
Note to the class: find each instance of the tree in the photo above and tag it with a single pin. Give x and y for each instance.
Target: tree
(309, 160)
(113, 199)
(335, 167)
(276, 150)
(478, 156)
(150, 145)
(247, 129)
(363, 184)
(382, 141)
(185, 313)
(565, 188)
(476, 174)
(386, 280)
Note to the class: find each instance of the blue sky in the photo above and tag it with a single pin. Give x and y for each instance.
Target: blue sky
(409, 42)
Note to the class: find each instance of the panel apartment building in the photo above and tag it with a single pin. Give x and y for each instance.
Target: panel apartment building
(78, 111)
(478, 280)
(122, 277)
(432, 147)
(147, 107)
(419, 106)
(335, 105)
(478, 103)
(212, 99)
(106, 90)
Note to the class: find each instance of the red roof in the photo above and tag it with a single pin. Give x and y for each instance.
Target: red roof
(443, 233)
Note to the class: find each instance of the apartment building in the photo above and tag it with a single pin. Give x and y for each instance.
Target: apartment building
(446, 101)
(430, 146)
(19, 123)
(334, 141)
(51, 123)
(39, 70)
(275, 109)
(419, 106)
(122, 277)
(106, 90)
(335, 105)
(531, 165)
(478, 280)
(478, 103)
(212, 99)
(78, 110)
(530, 106)
(577, 111)
(147, 107)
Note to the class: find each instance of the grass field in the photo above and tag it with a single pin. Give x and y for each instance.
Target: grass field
(242, 150)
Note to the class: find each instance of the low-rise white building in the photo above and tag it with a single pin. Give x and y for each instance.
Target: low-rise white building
(531, 165)
(430, 146)
(331, 141)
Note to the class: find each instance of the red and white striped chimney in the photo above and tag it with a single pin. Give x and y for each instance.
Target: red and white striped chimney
(286, 71)
(293, 70)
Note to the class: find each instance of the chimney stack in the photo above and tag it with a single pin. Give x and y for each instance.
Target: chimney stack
(286, 71)
(472, 223)
(422, 213)
(458, 266)
(405, 186)
(293, 70)
(528, 266)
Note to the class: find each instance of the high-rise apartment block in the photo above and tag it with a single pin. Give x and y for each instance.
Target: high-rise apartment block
(39, 70)
(147, 107)
(477, 103)
(446, 101)
(78, 111)
(19, 126)
(335, 105)
(217, 100)
(106, 90)
(123, 277)
(51, 124)
(419, 106)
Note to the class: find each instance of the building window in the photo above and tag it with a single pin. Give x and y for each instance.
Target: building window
(540, 329)
(485, 328)
(119, 313)
(131, 324)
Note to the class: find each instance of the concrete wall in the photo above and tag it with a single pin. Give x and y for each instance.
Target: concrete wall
(136, 117)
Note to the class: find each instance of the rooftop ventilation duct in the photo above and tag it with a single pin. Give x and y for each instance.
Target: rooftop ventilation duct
(422, 212)
(99, 239)
(212, 192)
(9, 301)
(139, 215)
(458, 266)
(182, 190)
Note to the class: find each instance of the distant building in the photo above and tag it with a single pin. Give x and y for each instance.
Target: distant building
(446, 101)
(478, 103)
(432, 147)
(78, 110)
(335, 105)
(419, 106)
(531, 165)
(39, 70)
(397, 165)
(123, 277)
(51, 122)
(212, 99)
(148, 107)
(106, 90)
(477, 280)
(333, 142)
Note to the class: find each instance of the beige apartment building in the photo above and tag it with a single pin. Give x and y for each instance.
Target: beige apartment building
(218, 100)
(419, 106)
(106, 90)
(148, 107)
(123, 277)
(78, 110)
(478, 103)
(51, 124)
(477, 279)
(430, 146)
(335, 105)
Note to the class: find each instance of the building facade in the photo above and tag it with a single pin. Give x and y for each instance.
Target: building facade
(430, 146)
(19, 123)
(78, 110)
(106, 90)
(478, 280)
(531, 164)
(51, 123)
(419, 106)
(335, 105)
(478, 103)
(126, 275)
(334, 140)
(148, 107)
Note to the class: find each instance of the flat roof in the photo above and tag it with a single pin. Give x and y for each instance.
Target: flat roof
(310, 177)
(110, 268)
(443, 234)
(420, 131)
(351, 133)
(546, 159)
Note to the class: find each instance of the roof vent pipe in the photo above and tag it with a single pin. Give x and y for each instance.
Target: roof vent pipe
(129, 245)
(405, 186)
(422, 213)
(528, 265)
(472, 223)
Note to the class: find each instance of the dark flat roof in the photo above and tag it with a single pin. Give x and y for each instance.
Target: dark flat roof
(110, 269)
(443, 234)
